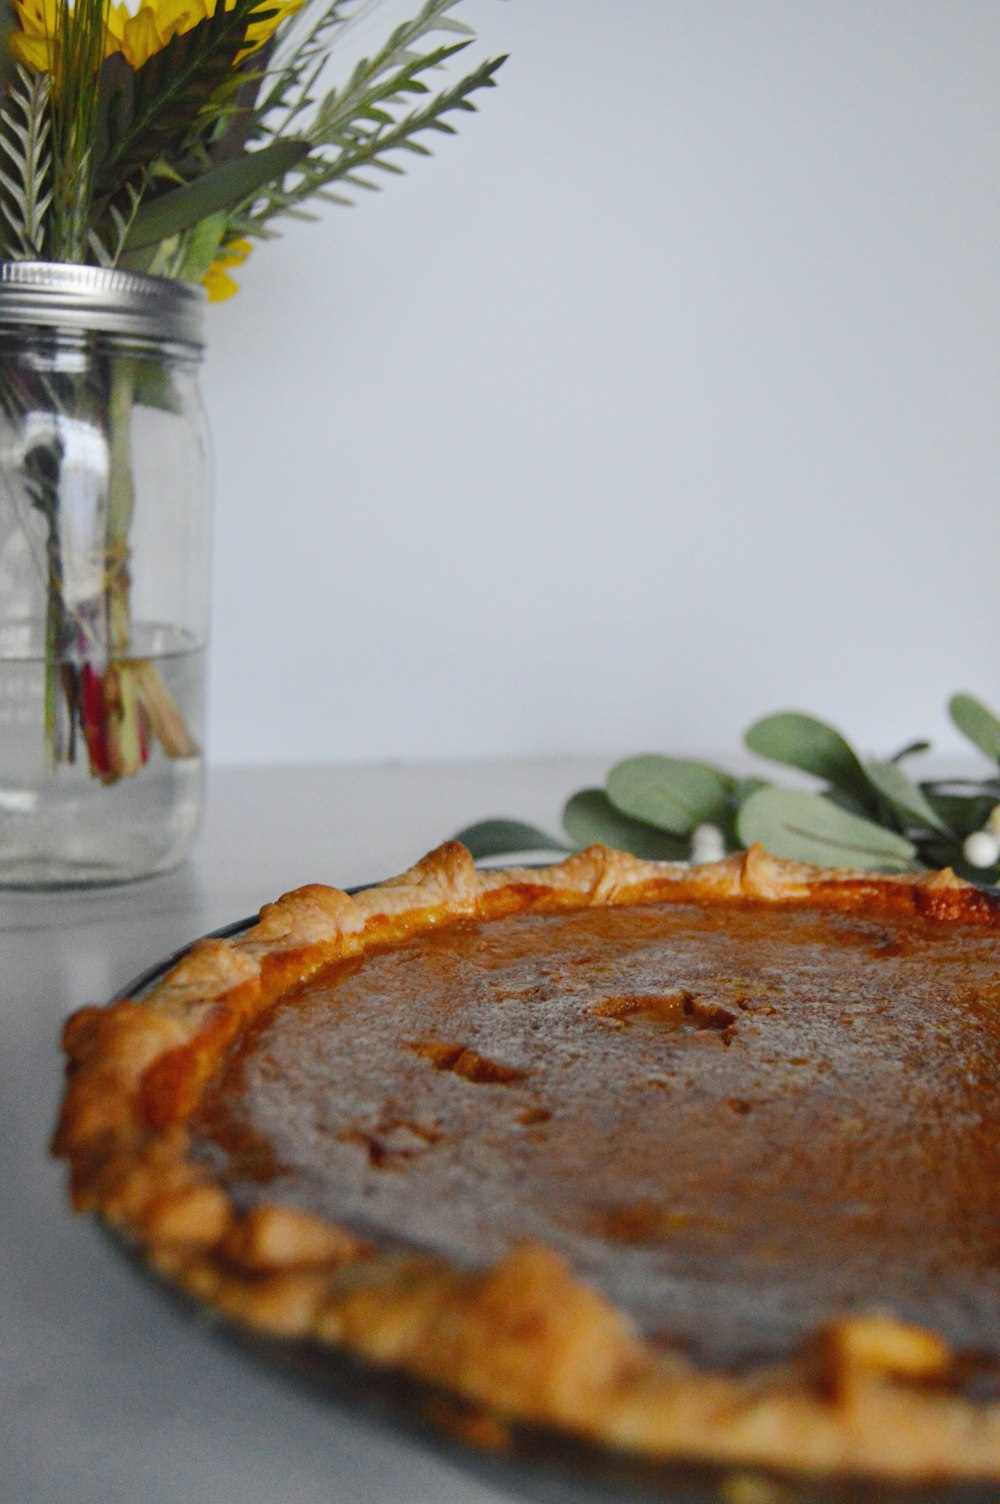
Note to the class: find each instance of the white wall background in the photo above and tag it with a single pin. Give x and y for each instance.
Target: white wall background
(668, 394)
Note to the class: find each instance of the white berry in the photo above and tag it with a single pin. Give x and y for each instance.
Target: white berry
(981, 849)
(707, 844)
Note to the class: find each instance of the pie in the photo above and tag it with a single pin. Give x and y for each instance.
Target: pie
(681, 1162)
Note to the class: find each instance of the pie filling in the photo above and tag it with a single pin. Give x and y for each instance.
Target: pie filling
(737, 1122)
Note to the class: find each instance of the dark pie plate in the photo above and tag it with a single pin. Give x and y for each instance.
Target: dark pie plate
(527, 1463)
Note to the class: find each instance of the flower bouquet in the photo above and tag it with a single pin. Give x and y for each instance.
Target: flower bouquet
(163, 142)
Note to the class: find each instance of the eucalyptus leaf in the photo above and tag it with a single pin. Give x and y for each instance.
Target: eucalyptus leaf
(904, 796)
(741, 791)
(961, 813)
(976, 722)
(801, 741)
(744, 787)
(589, 816)
(853, 806)
(501, 837)
(670, 793)
(939, 853)
(807, 828)
(910, 749)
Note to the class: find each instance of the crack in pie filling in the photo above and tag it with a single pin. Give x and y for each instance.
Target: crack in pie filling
(698, 1163)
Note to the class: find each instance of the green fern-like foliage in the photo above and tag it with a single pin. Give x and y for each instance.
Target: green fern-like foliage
(355, 137)
(107, 240)
(365, 123)
(156, 167)
(25, 167)
(296, 68)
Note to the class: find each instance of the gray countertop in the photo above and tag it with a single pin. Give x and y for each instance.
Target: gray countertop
(108, 1392)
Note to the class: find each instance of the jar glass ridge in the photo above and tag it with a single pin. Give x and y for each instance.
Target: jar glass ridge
(104, 575)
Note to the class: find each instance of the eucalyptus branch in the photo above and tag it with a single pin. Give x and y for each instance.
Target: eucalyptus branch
(867, 813)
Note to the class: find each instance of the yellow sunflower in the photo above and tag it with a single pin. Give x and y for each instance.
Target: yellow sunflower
(137, 37)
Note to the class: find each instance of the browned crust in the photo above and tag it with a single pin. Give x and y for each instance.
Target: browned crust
(525, 1340)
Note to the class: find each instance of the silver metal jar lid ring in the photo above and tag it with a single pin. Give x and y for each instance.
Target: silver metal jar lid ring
(81, 298)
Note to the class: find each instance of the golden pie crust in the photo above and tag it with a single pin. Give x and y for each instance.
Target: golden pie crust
(525, 1339)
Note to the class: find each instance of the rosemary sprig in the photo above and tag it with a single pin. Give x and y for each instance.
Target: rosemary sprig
(107, 242)
(296, 68)
(362, 134)
(357, 120)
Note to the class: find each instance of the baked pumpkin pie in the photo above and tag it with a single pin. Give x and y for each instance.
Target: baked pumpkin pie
(693, 1163)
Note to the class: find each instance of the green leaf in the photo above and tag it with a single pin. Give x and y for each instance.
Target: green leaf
(25, 165)
(903, 796)
(976, 722)
(589, 816)
(910, 749)
(744, 787)
(801, 741)
(156, 387)
(78, 43)
(506, 837)
(345, 141)
(936, 852)
(807, 828)
(961, 813)
(202, 246)
(670, 793)
(221, 188)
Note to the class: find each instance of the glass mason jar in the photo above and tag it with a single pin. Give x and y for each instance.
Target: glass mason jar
(104, 574)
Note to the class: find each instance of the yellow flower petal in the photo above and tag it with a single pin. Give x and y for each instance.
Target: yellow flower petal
(259, 31)
(30, 52)
(117, 18)
(31, 45)
(219, 284)
(136, 36)
(217, 281)
(37, 17)
(141, 37)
